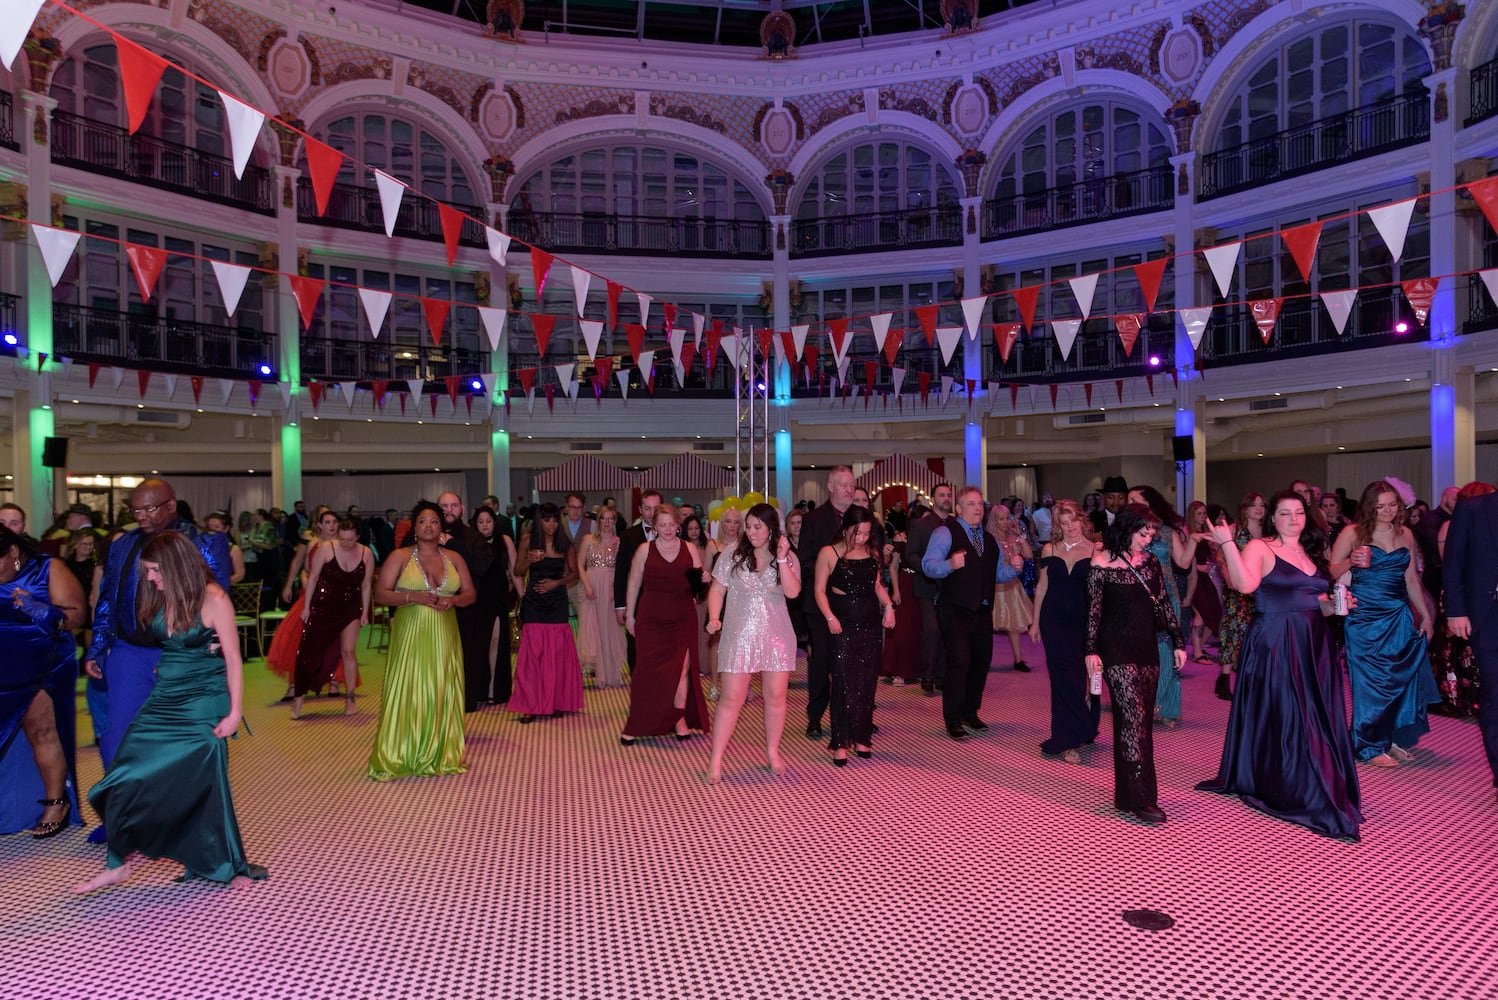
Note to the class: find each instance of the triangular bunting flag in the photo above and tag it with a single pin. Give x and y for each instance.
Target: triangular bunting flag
(1004, 335)
(542, 325)
(378, 388)
(926, 315)
(225, 389)
(1301, 242)
(1195, 321)
(972, 312)
(602, 371)
(306, 291)
(527, 377)
(171, 385)
(946, 380)
(436, 311)
(647, 371)
(613, 290)
(1223, 260)
(892, 341)
(1393, 224)
(323, 163)
(798, 338)
(1026, 298)
(592, 330)
(254, 389)
(870, 373)
(540, 268)
(231, 281)
(1054, 389)
(763, 339)
(494, 325)
(93, 372)
(837, 329)
(880, 324)
(15, 27)
(1129, 325)
(1265, 312)
(896, 380)
(315, 391)
(699, 323)
(1339, 307)
(416, 386)
(452, 229)
(376, 304)
(812, 357)
(146, 263)
(622, 375)
(1117, 387)
(1087, 391)
(140, 72)
(57, 245)
(634, 333)
(668, 310)
(679, 357)
(1421, 292)
(1490, 282)
(993, 396)
(1065, 332)
(1150, 274)
(947, 337)
(1013, 396)
(644, 301)
(1084, 287)
(244, 128)
(143, 379)
(1485, 193)
(499, 245)
(347, 390)
(564, 376)
(714, 340)
(581, 281)
(197, 388)
(923, 382)
(432, 402)
(451, 383)
(391, 193)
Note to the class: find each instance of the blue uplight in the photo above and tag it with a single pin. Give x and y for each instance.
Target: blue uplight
(11, 340)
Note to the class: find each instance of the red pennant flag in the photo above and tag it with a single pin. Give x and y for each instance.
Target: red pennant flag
(197, 388)
(892, 341)
(452, 228)
(436, 313)
(714, 338)
(540, 267)
(147, 263)
(1149, 274)
(972, 386)
(838, 328)
(41, 359)
(144, 378)
(812, 355)
(923, 379)
(688, 352)
(550, 403)
(1265, 312)
(1149, 381)
(1301, 242)
(1485, 193)
(254, 388)
(542, 325)
(1118, 387)
(927, 317)
(603, 368)
(1174, 380)
(1086, 391)
(1421, 292)
(870, 372)
(1013, 395)
(403, 396)
(433, 401)
(527, 378)
(635, 334)
(451, 381)
(1005, 334)
(788, 344)
(1054, 388)
(93, 372)
(378, 387)
(766, 340)
(140, 72)
(670, 312)
(650, 382)
(1128, 326)
(307, 292)
(1026, 298)
(323, 163)
(314, 389)
(614, 289)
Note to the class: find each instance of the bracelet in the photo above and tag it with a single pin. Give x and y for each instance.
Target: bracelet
(785, 560)
(832, 618)
(888, 608)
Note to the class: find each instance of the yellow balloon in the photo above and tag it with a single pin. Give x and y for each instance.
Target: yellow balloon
(750, 499)
(714, 509)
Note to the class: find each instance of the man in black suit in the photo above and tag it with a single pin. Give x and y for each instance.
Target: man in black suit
(382, 534)
(473, 629)
(1115, 495)
(1471, 583)
(917, 538)
(634, 536)
(821, 527)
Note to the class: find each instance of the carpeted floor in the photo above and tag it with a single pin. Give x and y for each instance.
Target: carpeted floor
(565, 866)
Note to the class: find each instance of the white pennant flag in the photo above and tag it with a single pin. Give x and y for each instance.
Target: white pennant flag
(676, 338)
(244, 129)
(231, 282)
(972, 311)
(841, 356)
(1223, 261)
(1393, 223)
(798, 337)
(225, 389)
(530, 401)
(285, 388)
(499, 244)
(57, 245)
(1195, 321)
(698, 323)
(946, 338)
(1065, 332)
(880, 323)
(14, 28)
(376, 304)
(728, 350)
(488, 378)
(564, 376)
(1490, 281)
(391, 192)
(171, 385)
(494, 324)
(842, 371)
(1339, 307)
(647, 364)
(580, 281)
(347, 390)
(644, 301)
(993, 396)
(946, 390)
(592, 330)
(1084, 287)
(622, 375)
(416, 386)
(896, 380)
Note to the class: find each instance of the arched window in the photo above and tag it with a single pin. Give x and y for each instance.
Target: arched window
(641, 198)
(878, 196)
(1337, 92)
(1081, 164)
(401, 148)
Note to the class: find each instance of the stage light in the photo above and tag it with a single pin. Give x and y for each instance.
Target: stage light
(266, 371)
(760, 386)
(11, 340)
(477, 385)
(1154, 361)
(1401, 327)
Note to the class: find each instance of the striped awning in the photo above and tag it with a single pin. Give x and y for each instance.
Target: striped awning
(898, 470)
(584, 473)
(686, 472)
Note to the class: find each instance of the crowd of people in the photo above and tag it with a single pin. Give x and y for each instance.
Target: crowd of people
(1295, 600)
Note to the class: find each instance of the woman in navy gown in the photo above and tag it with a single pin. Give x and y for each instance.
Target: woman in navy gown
(1060, 625)
(1287, 751)
(1387, 651)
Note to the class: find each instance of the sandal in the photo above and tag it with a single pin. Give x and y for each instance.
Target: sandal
(43, 830)
(350, 706)
(1072, 757)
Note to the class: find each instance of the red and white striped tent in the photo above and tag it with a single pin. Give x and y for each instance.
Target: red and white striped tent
(686, 472)
(584, 473)
(898, 470)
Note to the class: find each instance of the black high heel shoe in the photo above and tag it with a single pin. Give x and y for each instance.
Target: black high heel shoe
(51, 829)
(864, 754)
(1224, 687)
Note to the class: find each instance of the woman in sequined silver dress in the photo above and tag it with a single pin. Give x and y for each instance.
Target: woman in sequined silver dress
(600, 638)
(761, 572)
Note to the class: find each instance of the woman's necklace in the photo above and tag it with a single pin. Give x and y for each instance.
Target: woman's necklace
(1068, 546)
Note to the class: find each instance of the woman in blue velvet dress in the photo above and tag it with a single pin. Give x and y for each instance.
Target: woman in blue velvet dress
(1287, 751)
(1387, 651)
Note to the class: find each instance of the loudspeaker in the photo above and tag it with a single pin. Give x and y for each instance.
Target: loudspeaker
(55, 453)
(1183, 446)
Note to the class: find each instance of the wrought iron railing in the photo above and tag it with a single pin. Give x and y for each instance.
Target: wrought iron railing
(1484, 92)
(1358, 133)
(353, 207)
(1076, 204)
(874, 231)
(101, 148)
(355, 360)
(641, 234)
(1482, 311)
(144, 341)
(1304, 328)
(1097, 352)
(8, 121)
(10, 313)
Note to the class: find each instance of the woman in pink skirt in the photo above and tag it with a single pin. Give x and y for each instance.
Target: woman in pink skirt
(548, 674)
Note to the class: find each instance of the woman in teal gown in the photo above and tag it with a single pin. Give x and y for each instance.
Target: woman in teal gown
(166, 794)
(1175, 551)
(421, 710)
(1387, 651)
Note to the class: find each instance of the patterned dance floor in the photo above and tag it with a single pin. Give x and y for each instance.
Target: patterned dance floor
(563, 865)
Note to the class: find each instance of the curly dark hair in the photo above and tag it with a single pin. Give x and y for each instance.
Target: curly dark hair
(1129, 519)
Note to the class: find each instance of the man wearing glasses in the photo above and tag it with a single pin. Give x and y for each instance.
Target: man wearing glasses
(119, 654)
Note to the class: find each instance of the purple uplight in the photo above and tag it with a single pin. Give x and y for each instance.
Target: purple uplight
(1154, 361)
(1401, 327)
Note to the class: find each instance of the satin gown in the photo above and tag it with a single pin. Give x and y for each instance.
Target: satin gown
(1287, 751)
(1063, 628)
(548, 674)
(600, 638)
(1387, 661)
(338, 600)
(665, 638)
(1168, 687)
(855, 651)
(421, 711)
(34, 659)
(166, 795)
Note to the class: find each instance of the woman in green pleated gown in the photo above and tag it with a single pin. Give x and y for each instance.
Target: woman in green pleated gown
(166, 794)
(421, 710)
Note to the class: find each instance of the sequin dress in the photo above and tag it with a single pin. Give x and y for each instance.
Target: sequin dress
(601, 641)
(855, 651)
(757, 630)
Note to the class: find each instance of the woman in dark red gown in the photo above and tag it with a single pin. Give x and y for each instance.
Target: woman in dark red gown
(661, 613)
(338, 582)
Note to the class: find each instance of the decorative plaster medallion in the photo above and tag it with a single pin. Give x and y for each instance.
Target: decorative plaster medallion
(778, 132)
(497, 115)
(969, 109)
(1180, 55)
(290, 70)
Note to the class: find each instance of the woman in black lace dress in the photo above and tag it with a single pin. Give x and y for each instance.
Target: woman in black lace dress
(1126, 604)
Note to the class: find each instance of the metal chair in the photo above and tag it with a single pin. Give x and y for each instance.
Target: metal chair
(268, 621)
(246, 600)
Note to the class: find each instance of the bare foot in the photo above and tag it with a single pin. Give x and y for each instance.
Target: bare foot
(296, 708)
(103, 880)
(1399, 753)
(777, 765)
(1383, 760)
(241, 882)
(350, 706)
(714, 775)
(1072, 757)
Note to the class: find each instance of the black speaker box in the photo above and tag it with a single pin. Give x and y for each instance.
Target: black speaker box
(1183, 446)
(55, 453)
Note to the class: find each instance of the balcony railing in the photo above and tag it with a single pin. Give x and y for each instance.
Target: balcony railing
(1304, 328)
(1341, 138)
(1482, 312)
(1484, 92)
(642, 234)
(875, 231)
(148, 342)
(355, 360)
(1075, 204)
(353, 207)
(10, 312)
(8, 121)
(1096, 352)
(107, 149)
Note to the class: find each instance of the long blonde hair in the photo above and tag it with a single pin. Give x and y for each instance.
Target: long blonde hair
(184, 580)
(1068, 507)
